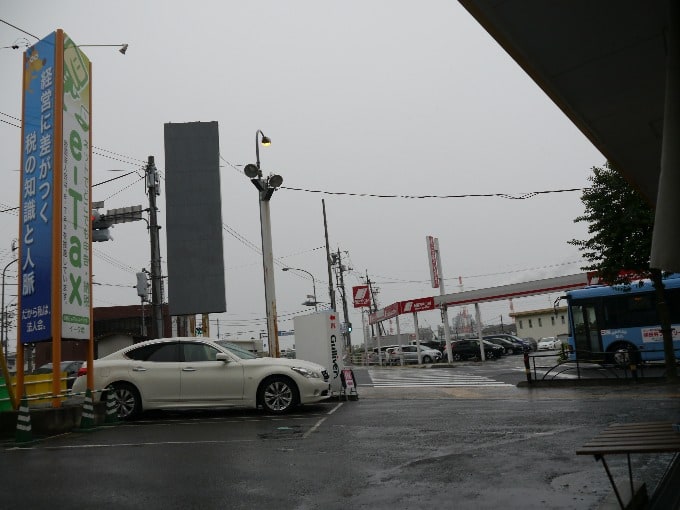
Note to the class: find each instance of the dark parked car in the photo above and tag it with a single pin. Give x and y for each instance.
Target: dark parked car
(469, 349)
(510, 347)
(515, 339)
(532, 341)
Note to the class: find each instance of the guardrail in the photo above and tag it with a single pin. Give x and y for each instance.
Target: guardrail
(37, 387)
(585, 363)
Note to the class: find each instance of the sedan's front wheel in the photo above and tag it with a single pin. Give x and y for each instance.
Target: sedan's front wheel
(278, 394)
(127, 399)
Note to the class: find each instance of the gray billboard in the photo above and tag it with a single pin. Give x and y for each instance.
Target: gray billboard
(194, 219)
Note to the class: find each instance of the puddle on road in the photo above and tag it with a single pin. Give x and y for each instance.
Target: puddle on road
(283, 432)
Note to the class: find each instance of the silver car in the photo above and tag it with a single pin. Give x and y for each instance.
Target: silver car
(409, 353)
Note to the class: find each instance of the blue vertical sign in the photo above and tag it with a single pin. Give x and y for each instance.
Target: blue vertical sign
(37, 190)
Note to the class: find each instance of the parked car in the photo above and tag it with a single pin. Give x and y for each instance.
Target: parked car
(526, 345)
(70, 367)
(431, 344)
(373, 357)
(409, 353)
(548, 343)
(532, 341)
(510, 347)
(468, 349)
(190, 372)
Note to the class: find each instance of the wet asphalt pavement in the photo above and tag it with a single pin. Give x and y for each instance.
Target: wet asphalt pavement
(474, 440)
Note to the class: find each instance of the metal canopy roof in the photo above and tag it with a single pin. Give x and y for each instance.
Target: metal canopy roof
(602, 62)
(513, 290)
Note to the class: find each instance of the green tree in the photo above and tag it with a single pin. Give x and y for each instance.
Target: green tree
(620, 225)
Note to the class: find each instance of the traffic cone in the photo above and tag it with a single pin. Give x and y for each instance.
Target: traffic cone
(24, 432)
(87, 416)
(111, 409)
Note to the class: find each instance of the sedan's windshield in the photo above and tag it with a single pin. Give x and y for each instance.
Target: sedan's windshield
(235, 349)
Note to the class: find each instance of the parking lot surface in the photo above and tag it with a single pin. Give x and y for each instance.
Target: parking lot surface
(399, 446)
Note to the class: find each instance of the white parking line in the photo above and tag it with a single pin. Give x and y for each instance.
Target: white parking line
(116, 445)
(318, 423)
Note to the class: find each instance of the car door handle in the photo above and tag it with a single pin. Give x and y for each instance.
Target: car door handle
(188, 369)
(139, 369)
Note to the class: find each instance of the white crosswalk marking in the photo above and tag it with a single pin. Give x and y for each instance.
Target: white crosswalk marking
(413, 378)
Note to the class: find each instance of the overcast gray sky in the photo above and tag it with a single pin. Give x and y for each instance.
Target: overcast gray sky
(379, 97)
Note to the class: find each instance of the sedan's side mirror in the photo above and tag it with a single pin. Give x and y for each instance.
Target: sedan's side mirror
(221, 356)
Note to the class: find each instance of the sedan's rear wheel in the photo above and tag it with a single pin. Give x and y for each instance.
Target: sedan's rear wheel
(127, 399)
(278, 394)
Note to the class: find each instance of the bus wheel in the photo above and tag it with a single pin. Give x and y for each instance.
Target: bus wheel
(622, 355)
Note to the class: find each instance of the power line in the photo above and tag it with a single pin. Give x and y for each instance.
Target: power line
(20, 29)
(123, 189)
(508, 196)
(115, 178)
(523, 196)
(114, 262)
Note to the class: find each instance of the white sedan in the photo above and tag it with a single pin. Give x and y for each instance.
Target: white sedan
(548, 343)
(194, 372)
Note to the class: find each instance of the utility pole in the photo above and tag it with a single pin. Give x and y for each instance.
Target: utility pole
(374, 308)
(371, 302)
(331, 293)
(153, 189)
(341, 286)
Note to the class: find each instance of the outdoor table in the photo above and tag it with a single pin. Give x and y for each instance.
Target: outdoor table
(619, 438)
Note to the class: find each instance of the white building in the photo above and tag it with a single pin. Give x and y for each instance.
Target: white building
(541, 323)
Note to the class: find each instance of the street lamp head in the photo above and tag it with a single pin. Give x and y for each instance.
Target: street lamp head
(266, 141)
(123, 48)
(275, 181)
(251, 171)
(287, 268)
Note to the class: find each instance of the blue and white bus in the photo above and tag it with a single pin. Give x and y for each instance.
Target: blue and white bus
(604, 320)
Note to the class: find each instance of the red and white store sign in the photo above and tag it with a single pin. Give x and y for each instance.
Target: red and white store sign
(416, 305)
(361, 296)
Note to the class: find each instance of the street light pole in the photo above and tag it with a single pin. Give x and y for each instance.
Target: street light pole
(3, 336)
(313, 282)
(266, 187)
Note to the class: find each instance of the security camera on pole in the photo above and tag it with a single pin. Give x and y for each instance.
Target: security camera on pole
(266, 187)
(143, 293)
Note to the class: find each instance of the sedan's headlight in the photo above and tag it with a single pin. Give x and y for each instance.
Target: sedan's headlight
(305, 372)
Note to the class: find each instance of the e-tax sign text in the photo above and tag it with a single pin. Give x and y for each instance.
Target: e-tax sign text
(75, 225)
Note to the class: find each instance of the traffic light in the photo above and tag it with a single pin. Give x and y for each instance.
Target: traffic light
(100, 227)
(142, 286)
